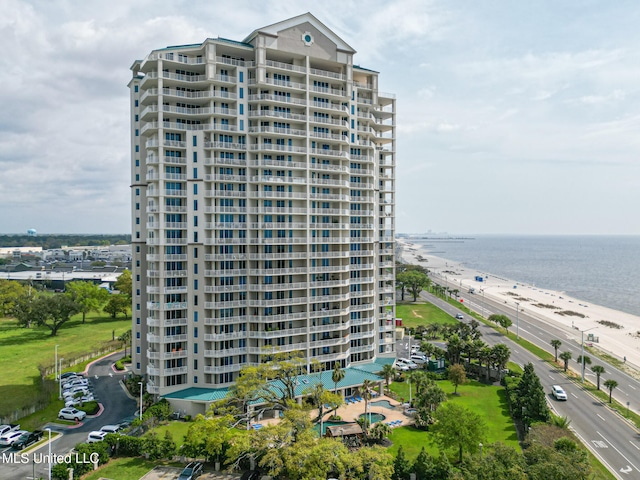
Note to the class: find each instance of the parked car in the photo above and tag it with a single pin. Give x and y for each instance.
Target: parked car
(70, 413)
(8, 428)
(418, 359)
(75, 383)
(191, 471)
(27, 439)
(74, 402)
(459, 316)
(9, 438)
(96, 436)
(409, 363)
(70, 375)
(110, 428)
(558, 392)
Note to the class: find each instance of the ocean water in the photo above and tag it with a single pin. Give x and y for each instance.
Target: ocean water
(604, 270)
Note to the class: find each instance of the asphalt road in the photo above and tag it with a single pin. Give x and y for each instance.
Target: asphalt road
(117, 406)
(604, 432)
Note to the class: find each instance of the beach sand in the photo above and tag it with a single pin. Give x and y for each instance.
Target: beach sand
(620, 338)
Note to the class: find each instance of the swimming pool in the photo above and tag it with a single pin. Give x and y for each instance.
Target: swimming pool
(316, 427)
(383, 404)
(375, 417)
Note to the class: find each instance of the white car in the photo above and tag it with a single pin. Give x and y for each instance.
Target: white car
(94, 437)
(110, 428)
(418, 358)
(70, 413)
(75, 383)
(409, 363)
(558, 392)
(73, 402)
(7, 439)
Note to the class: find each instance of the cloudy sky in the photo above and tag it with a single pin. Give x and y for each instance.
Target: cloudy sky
(513, 117)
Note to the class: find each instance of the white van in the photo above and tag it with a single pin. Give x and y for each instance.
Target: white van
(94, 437)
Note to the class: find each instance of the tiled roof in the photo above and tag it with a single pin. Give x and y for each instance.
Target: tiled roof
(353, 377)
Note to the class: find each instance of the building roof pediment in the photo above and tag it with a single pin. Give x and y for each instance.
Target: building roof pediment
(275, 28)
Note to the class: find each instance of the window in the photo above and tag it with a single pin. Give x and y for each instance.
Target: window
(241, 94)
(240, 77)
(241, 125)
(195, 188)
(195, 173)
(136, 103)
(242, 109)
(195, 157)
(195, 332)
(135, 88)
(195, 221)
(195, 141)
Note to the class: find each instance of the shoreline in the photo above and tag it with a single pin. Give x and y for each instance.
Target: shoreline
(616, 333)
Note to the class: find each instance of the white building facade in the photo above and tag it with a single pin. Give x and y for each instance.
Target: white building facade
(263, 206)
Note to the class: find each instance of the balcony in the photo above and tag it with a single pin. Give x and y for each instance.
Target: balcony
(219, 337)
(225, 352)
(267, 97)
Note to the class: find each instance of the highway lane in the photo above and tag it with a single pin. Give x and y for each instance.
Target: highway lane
(604, 432)
(540, 332)
(117, 406)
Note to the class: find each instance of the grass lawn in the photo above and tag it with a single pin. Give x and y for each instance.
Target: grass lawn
(23, 349)
(177, 428)
(416, 314)
(488, 401)
(124, 469)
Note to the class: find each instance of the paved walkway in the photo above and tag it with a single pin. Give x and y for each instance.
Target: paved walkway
(351, 411)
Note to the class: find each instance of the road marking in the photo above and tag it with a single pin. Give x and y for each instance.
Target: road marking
(600, 444)
(601, 418)
(614, 447)
(626, 470)
(637, 447)
(551, 377)
(576, 396)
(623, 392)
(632, 386)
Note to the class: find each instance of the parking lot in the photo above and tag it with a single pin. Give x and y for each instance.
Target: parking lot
(171, 473)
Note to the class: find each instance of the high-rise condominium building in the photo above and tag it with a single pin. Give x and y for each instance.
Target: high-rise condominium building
(263, 185)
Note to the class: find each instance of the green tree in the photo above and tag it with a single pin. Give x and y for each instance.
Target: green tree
(610, 385)
(566, 356)
(401, 283)
(54, 311)
(10, 293)
(499, 462)
(457, 376)
(336, 376)
(415, 282)
(388, 373)
(124, 284)
(209, 437)
(500, 355)
(118, 303)
(531, 399)
(401, 466)
(87, 295)
(125, 338)
(555, 343)
(598, 370)
(502, 320)
(458, 427)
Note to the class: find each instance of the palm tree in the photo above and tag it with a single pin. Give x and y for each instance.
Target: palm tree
(610, 385)
(598, 370)
(485, 356)
(562, 422)
(388, 372)
(367, 386)
(556, 345)
(500, 354)
(125, 338)
(566, 356)
(337, 376)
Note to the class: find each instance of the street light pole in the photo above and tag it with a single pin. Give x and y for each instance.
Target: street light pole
(55, 366)
(140, 383)
(582, 353)
(517, 321)
(60, 382)
(49, 430)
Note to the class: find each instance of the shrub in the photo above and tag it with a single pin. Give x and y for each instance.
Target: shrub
(91, 407)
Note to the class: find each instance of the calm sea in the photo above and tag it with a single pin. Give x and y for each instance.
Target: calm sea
(599, 269)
